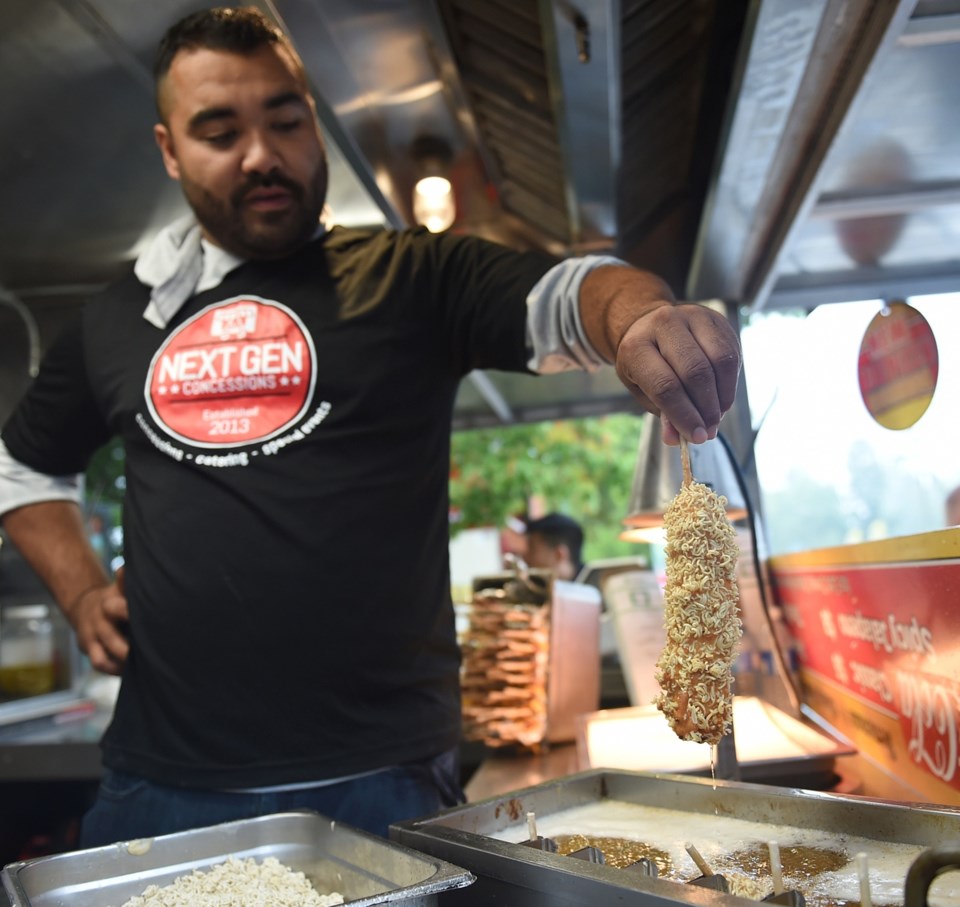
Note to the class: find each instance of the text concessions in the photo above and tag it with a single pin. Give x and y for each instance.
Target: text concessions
(239, 372)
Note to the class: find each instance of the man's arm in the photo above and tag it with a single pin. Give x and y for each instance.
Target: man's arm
(51, 537)
(680, 361)
(45, 448)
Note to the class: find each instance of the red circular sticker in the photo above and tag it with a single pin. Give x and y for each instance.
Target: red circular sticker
(239, 372)
(898, 366)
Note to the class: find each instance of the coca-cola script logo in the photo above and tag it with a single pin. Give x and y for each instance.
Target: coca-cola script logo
(239, 372)
(929, 708)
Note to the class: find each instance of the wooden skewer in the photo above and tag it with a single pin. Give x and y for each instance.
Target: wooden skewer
(532, 826)
(702, 864)
(776, 868)
(685, 460)
(863, 871)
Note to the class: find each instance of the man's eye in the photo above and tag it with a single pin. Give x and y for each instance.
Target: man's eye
(287, 125)
(220, 139)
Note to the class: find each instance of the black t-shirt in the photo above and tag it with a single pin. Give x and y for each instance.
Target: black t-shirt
(286, 504)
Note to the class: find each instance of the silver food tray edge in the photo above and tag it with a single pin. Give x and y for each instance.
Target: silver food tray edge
(108, 876)
(601, 783)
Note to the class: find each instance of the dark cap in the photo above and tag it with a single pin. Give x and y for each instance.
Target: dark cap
(556, 524)
(558, 529)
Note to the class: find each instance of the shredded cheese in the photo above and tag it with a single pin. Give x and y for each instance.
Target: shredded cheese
(237, 883)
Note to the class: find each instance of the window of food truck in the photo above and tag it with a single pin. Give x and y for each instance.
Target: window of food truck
(829, 473)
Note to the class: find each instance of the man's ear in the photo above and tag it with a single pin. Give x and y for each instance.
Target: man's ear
(164, 140)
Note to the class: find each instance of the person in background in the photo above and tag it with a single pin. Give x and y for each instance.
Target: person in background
(555, 542)
(279, 387)
(513, 539)
(953, 507)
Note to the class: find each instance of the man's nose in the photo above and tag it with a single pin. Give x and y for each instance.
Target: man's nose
(260, 154)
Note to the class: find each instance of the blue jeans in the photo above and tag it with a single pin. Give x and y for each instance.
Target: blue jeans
(129, 807)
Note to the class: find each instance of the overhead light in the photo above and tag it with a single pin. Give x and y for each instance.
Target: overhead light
(659, 475)
(433, 203)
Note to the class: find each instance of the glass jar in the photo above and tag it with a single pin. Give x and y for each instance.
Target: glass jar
(26, 651)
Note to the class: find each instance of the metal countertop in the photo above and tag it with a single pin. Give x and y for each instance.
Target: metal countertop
(60, 747)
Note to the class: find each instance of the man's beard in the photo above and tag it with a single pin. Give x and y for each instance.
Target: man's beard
(248, 234)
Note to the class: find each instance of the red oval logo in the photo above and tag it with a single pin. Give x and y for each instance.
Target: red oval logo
(898, 366)
(239, 372)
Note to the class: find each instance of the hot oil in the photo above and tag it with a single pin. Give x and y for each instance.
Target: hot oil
(814, 861)
(800, 864)
(619, 852)
(799, 861)
(747, 871)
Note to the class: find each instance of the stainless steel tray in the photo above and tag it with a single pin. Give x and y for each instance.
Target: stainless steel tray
(365, 869)
(472, 835)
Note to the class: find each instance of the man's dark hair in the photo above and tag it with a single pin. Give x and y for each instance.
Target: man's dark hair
(559, 529)
(240, 30)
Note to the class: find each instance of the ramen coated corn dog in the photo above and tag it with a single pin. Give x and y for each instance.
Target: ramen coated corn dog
(701, 613)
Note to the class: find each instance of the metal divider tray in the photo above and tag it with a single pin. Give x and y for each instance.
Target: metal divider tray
(364, 868)
(481, 836)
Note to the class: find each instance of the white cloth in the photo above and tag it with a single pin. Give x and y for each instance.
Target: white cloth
(179, 263)
(555, 336)
(171, 266)
(20, 485)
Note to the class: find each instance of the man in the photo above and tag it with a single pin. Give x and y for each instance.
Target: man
(554, 542)
(279, 389)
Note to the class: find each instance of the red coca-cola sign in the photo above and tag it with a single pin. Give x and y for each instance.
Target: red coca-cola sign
(878, 644)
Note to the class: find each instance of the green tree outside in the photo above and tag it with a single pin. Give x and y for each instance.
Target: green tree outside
(581, 467)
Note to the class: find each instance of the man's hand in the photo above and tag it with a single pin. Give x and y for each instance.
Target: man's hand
(99, 618)
(52, 538)
(682, 362)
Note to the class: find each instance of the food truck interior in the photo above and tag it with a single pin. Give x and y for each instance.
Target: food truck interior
(767, 156)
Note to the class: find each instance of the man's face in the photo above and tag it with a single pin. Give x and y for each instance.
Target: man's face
(541, 553)
(241, 136)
